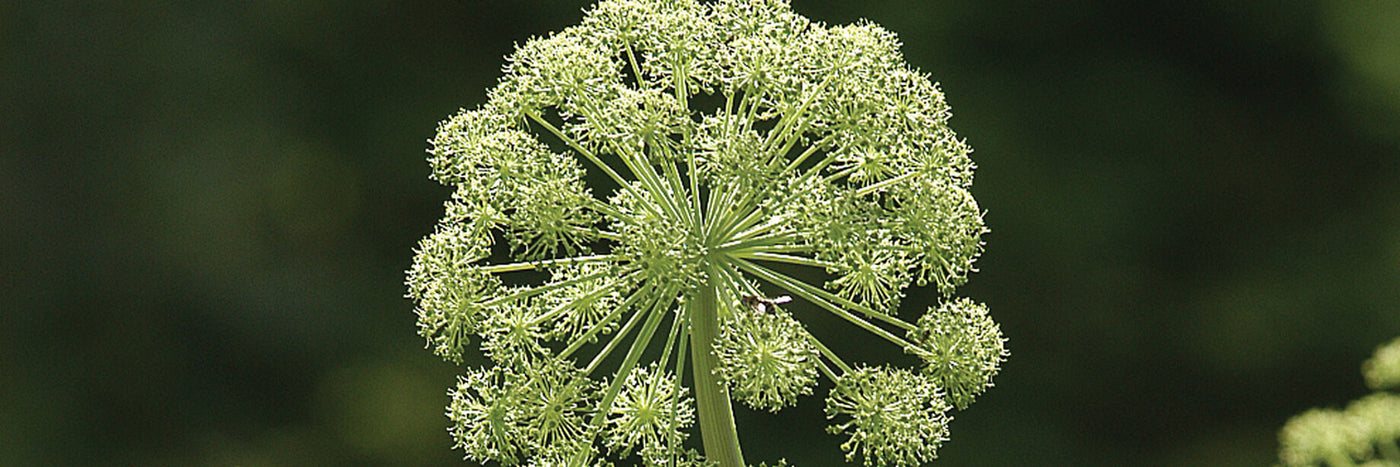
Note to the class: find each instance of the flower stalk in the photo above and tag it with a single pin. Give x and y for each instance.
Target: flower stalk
(716, 414)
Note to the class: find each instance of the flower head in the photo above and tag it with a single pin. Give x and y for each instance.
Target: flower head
(1379, 417)
(449, 289)
(962, 348)
(650, 168)
(1366, 433)
(1382, 371)
(489, 423)
(766, 356)
(896, 417)
(650, 413)
(1322, 436)
(560, 399)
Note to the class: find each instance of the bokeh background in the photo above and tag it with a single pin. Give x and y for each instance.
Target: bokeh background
(206, 209)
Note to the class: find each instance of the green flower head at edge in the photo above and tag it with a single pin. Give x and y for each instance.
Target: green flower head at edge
(1366, 433)
(650, 194)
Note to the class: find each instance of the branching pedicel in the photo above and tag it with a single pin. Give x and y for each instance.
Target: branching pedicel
(726, 139)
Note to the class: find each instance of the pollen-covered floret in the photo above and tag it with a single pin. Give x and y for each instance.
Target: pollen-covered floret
(896, 417)
(962, 348)
(765, 357)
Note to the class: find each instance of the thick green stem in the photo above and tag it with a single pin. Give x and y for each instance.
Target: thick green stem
(711, 396)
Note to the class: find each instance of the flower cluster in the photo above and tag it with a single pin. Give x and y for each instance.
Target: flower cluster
(896, 417)
(1382, 371)
(1367, 431)
(962, 347)
(765, 356)
(629, 204)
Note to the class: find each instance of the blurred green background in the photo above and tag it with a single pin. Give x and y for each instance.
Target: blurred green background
(206, 209)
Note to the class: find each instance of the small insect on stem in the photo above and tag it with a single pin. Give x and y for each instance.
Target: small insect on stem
(761, 303)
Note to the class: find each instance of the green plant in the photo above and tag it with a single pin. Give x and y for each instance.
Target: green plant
(735, 141)
(1365, 433)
